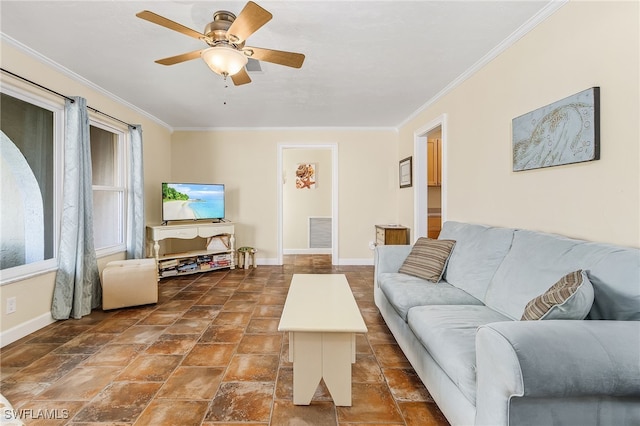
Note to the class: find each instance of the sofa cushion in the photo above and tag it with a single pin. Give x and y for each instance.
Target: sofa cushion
(448, 333)
(428, 259)
(537, 259)
(405, 291)
(476, 255)
(570, 298)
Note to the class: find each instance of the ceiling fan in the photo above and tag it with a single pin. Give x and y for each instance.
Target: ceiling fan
(227, 54)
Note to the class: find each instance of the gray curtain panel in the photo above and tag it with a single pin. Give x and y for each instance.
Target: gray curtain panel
(135, 191)
(77, 287)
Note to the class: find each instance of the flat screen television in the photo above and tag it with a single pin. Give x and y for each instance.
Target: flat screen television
(192, 201)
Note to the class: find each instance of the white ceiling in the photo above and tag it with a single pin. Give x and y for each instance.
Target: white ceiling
(368, 63)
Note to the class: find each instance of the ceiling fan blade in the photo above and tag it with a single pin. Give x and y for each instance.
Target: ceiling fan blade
(241, 77)
(250, 19)
(179, 58)
(168, 23)
(289, 59)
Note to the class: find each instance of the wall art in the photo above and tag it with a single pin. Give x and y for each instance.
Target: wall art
(564, 132)
(306, 176)
(406, 172)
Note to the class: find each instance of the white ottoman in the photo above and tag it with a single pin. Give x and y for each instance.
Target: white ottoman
(129, 283)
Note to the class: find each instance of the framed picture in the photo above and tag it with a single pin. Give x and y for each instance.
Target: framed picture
(564, 132)
(406, 172)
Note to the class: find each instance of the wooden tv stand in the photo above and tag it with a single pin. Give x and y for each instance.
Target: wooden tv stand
(189, 262)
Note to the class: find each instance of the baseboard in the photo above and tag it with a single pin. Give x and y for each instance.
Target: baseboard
(26, 328)
(344, 262)
(307, 251)
(355, 262)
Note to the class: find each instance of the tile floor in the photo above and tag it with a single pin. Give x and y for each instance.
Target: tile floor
(208, 353)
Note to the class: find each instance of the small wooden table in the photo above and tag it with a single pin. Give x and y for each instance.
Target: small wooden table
(322, 317)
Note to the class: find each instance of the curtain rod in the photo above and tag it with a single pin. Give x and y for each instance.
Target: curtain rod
(64, 96)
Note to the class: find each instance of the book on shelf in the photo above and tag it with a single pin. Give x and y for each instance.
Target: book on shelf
(169, 272)
(169, 263)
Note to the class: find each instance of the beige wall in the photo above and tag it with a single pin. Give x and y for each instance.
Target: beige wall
(300, 204)
(584, 44)
(34, 295)
(246, 162)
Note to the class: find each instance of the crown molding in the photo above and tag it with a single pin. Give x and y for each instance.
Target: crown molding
(78, 78)
(525, 28)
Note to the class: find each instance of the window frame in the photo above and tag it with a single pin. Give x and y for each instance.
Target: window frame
(122, 177)
(55, 104)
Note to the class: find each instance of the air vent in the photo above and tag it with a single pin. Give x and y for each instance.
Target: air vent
(319, 232)
(253, 66)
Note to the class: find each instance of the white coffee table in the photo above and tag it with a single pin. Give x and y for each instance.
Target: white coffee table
(322, 317)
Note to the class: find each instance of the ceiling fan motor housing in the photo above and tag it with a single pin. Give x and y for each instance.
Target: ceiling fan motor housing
(216, 30)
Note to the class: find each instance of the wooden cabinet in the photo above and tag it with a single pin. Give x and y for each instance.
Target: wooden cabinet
(434, 162)
(392, 235)
(434, 224)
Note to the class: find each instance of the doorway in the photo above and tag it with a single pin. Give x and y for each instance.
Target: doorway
(430, 194)
(307, 208)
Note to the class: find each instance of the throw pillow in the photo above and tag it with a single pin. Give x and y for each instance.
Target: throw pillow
(428, 259)
(569, 298)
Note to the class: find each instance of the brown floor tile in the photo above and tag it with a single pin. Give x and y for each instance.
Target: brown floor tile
(202, 312)
(405, 385)
(120, 402)
(192, 383)
(173, 412)
(114, 325)
(210, 355)
(150, 368)
(24, 355)
(371, 402)
(49, 368)
(173, 344)
(161, 318)
(87, 343)
(366, 370)
(82, 384)
(263, 325)
(390, 356)
(188, 326)
(252, 368)
(317, 413)
(49, 413)
(116, 355)
(239, 306)
(213, 299)
(260, 344)
(242, 402)
(232, 318)
(140, 334)
(422, 414)
(222, 334)
(268, 311)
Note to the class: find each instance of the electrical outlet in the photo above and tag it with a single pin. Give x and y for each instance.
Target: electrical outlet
(11, 305)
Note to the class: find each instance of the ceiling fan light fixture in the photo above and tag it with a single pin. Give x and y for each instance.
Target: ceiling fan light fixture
(224, 60)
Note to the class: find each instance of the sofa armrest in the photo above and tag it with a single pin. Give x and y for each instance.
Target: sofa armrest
(389, 258)
(554, 359)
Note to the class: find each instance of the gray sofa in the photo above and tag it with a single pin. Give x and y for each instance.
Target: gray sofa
(483, 365)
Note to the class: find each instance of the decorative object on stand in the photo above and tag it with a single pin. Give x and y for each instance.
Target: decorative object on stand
(564, 132)
(226, 35)
(406, 172)
(306, 176)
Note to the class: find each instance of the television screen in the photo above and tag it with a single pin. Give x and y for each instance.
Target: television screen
(190, 201)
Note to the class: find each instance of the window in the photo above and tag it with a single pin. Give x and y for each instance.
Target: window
(109, 192)
(30, 140)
